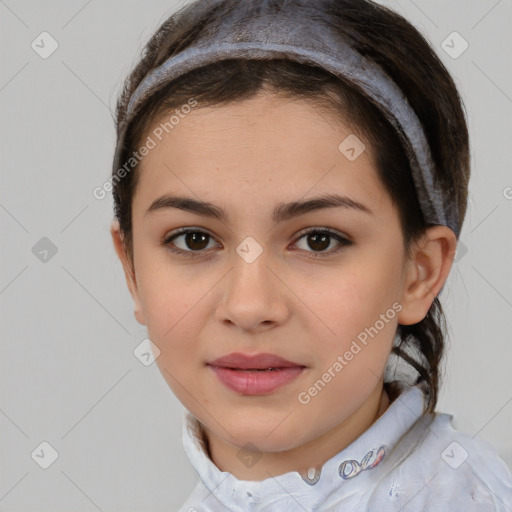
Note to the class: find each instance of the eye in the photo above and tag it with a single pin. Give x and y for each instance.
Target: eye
(320, 239)
(193, 241)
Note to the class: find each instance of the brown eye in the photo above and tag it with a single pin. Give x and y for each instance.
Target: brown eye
(195, 241)
(320, 239)
(190, 241)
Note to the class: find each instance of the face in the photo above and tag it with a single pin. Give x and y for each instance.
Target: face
(319, 287)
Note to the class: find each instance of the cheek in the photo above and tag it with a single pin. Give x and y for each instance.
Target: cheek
(360, 309)
(174, 301)
(352, 300)
(173, 311)
(172, 297)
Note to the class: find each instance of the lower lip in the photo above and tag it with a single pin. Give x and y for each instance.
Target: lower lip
(256, 382)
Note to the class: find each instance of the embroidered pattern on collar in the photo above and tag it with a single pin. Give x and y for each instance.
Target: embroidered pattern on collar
(349, 468)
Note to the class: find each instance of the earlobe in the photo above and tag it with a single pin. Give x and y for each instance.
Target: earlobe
(426, 273)
(129, 271)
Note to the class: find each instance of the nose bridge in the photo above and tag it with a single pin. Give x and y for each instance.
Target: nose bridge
(250, 267)
(251, 294)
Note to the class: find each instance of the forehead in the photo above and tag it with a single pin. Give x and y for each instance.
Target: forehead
(264, 148)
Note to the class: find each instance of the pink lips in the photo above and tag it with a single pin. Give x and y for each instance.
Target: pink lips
(255, 374)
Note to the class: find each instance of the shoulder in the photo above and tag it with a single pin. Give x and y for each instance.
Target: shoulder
(445, 469)
(470, 466)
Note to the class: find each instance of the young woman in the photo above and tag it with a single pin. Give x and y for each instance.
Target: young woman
(290, 181)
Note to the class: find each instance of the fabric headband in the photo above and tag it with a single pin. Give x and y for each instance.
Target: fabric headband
(292, 35)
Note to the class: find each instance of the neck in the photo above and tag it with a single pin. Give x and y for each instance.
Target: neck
(312, 454)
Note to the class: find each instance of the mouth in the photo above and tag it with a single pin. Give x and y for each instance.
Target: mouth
(255, 374)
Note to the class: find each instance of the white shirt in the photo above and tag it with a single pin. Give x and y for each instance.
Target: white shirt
(406, 461)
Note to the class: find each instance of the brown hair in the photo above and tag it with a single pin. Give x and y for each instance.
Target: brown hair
(382, 36)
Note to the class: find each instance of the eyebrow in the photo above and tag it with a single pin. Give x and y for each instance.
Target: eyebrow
(282, 212)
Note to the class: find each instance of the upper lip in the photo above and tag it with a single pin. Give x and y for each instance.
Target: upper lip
(255, 361)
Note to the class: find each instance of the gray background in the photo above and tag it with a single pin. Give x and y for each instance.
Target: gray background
(69, 375)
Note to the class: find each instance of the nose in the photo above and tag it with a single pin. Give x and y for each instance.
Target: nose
(254, 297)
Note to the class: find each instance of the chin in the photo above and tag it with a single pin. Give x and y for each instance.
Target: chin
(267, 433)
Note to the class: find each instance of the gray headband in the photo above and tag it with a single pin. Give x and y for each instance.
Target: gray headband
(289, 34)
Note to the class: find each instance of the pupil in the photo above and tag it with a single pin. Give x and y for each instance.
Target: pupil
(315, 238)
(193, 238)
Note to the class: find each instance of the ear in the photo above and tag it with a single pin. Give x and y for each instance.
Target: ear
(129, 271)
(426, 273)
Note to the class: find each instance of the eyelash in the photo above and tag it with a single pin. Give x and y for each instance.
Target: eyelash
(167, 242)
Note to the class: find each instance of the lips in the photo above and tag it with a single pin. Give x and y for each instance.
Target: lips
(258, 374)
(239, 361)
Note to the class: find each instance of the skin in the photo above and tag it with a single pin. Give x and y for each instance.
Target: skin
(247, 158)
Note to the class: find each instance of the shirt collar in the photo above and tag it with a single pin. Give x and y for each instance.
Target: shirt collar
(352, 469)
